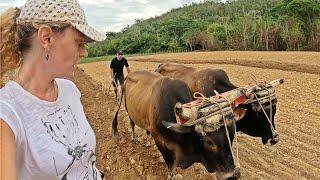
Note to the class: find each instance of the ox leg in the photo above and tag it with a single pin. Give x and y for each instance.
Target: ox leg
(168, 158)
(134, 140)
(170, 175)
(115, 132)
(116, 92)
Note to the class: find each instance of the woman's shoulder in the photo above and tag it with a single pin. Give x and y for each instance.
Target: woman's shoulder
(9, 88)
(67, 85)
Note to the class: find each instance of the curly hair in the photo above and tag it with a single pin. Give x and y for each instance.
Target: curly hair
(16, 39)
(9, 55)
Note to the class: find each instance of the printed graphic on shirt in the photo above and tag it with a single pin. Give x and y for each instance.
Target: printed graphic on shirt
(63, 127)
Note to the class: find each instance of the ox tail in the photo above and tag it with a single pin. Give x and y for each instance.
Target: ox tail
(115, 132)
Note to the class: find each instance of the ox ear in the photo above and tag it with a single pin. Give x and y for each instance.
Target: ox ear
(159, 68)
(178, 128)
(239, 113)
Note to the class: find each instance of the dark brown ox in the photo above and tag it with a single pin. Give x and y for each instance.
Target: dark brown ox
(150, 99)
(255, 123)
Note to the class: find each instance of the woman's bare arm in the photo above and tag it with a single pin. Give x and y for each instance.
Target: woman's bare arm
(7, 153)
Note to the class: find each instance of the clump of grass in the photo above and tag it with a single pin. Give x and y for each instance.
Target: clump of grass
(96, 59)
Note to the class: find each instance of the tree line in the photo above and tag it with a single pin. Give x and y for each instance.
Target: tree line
(264, 25)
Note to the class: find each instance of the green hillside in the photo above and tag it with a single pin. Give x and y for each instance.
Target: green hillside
(276, 25)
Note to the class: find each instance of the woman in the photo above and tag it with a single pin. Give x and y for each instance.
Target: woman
(44, 131)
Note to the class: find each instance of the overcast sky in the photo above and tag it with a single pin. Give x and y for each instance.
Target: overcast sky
(113, 15)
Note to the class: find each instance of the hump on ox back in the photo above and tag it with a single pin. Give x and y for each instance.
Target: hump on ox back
(257, 122)
(150, 99)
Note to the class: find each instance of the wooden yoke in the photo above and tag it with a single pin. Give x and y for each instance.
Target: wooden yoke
(212, 110)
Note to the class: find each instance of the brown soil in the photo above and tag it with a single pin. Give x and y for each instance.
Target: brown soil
(308, 62)
(296, 156)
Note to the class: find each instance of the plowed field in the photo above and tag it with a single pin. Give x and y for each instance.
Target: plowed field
(296, 156)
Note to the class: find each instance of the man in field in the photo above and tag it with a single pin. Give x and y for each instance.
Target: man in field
(116, 71)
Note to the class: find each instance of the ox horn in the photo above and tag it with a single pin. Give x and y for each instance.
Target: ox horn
(276, 82)
(178, 128)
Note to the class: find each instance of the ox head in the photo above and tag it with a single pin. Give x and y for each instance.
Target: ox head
(217, 155)
(213, 148)
(259, 119)
(259, 122)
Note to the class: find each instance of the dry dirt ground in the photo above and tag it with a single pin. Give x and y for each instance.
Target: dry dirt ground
(296, 156)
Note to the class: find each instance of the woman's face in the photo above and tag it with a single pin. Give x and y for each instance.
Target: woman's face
(66, 51)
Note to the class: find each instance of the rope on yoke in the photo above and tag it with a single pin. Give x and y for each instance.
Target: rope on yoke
(254, 78)
(262, 86)
(237, 162)
(200, 96)
(263, 110)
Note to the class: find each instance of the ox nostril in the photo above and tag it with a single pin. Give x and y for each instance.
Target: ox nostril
(275, 139)
(236, 172)
(275, 136)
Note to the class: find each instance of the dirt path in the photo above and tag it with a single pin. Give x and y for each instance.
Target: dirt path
(296, 156)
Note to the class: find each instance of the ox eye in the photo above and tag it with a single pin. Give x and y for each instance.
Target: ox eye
(210, 146)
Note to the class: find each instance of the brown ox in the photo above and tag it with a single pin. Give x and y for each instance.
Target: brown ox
(205, 81)
(150, 99)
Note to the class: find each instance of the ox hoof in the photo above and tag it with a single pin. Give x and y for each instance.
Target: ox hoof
(116, 137)
(178, 177)
(170, 176)
(134, 141)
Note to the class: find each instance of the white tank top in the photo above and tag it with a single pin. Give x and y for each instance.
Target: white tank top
(53, 139)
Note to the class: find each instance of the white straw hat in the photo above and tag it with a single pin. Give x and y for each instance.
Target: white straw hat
(64, 11)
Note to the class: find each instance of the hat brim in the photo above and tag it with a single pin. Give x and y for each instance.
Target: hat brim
(90, 33)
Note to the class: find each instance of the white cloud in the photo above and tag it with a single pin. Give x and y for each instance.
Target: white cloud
(5, 4)
(114, 15)
(99, 3)
(142, 1)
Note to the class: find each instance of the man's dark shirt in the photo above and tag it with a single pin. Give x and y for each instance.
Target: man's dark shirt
(117, 66)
